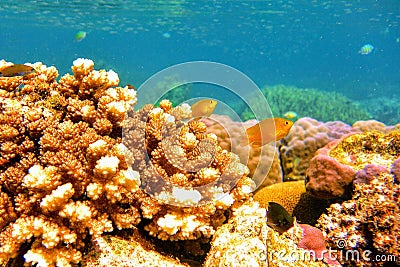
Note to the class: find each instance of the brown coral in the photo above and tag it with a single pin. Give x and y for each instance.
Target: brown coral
(67, 175)
(293, 197)
(287, 194)
(368, 223)
(185, 167)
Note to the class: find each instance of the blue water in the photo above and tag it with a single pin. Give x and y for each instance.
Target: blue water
(306, 43)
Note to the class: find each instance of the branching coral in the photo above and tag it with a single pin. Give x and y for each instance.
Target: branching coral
(68, 176)
(185, 167)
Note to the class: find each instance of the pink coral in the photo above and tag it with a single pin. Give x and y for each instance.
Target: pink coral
(307, 136)
(313, 240)
(369, 173)
(334, 167)
(326, 177)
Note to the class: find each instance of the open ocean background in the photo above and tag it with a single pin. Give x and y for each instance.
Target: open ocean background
(304, 43)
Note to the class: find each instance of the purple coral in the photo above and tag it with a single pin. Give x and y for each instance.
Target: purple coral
(396, 170)
(369, 172)
(326, 177)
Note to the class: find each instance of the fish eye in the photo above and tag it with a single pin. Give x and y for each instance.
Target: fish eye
(286, 122)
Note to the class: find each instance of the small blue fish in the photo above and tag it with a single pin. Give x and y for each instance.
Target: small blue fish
(366, 49)
(166, 35)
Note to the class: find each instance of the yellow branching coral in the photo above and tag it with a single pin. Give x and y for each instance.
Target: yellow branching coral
(72, 167)
(185, 167)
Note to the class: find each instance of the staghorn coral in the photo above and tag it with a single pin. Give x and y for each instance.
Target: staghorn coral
(383, 108)
(368, 223)
(67, 175)
(334, 167)
(321, 105)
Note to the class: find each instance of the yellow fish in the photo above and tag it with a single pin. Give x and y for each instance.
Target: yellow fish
(203, 108)
(263, 132)
(16, 70)
(290, 115)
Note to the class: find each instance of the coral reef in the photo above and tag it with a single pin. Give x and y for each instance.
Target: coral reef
(368, 224)
(334, 167)
(263, 162)
(305, 138)
(294, 198)
(134, 251)
(320, 105)
(287, 194)
(246, 240)
(67, 175)
(242, 241)
(384, 109)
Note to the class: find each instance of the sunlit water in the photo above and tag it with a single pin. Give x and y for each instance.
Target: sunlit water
(310, 44)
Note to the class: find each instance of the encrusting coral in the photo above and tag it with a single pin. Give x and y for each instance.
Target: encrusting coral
(243, 240)
(368, 224)
(67, 175)
(334, 167)
(131, 251)
(246, 240)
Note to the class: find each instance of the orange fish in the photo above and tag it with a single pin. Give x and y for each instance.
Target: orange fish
(263, 132)
(16, 70)
(203, 108)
